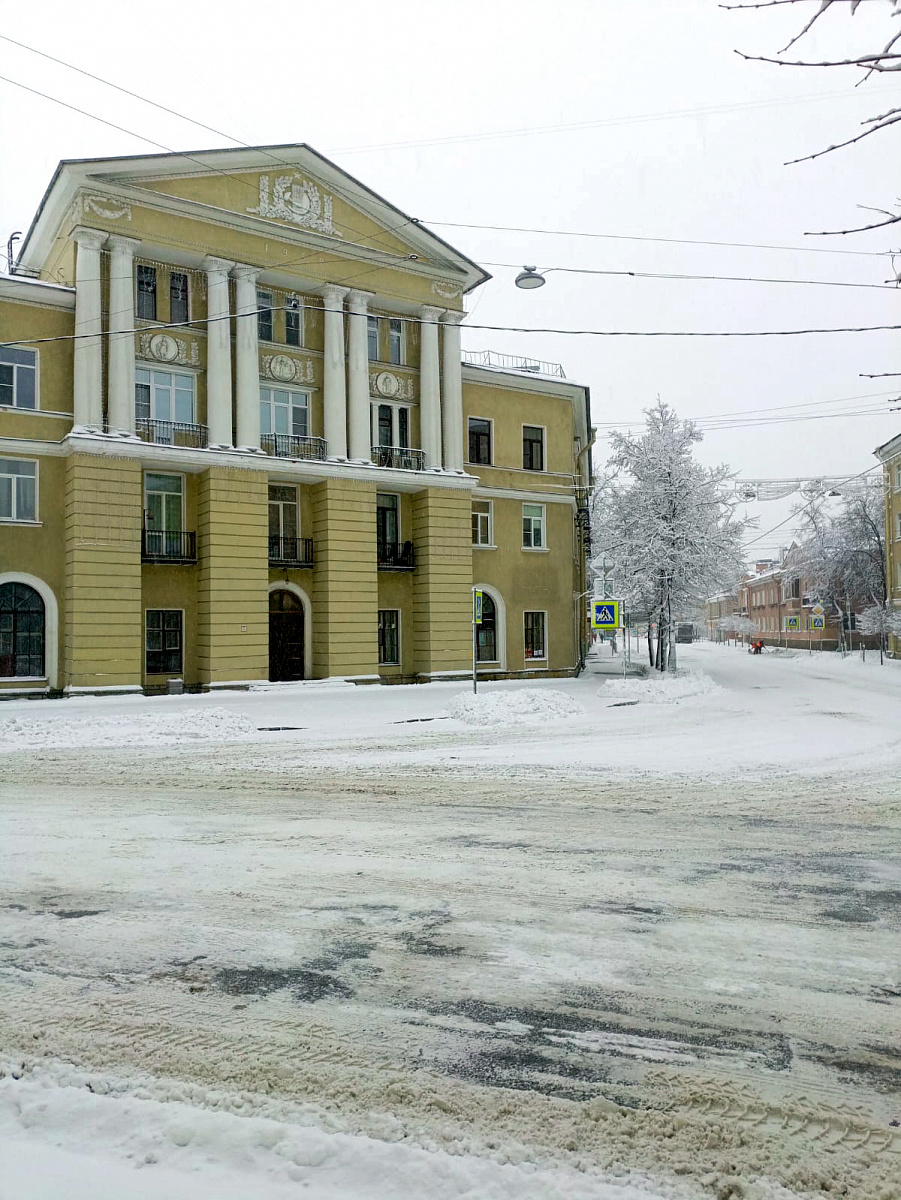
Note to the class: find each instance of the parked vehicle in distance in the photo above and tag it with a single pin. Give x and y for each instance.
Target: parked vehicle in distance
(685, 633)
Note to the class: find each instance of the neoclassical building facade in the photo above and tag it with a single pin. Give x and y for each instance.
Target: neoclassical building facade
(239, 441)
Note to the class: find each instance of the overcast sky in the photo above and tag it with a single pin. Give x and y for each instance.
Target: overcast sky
(676, 137)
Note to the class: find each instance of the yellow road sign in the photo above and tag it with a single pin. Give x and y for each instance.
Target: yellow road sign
(605, 614)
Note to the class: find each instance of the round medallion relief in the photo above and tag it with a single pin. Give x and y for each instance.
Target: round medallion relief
(283, 368)
(164, 347)
(387, 384)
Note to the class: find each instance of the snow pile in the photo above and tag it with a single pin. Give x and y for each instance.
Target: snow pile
(124, 732)
(660, 688)
(524, 706)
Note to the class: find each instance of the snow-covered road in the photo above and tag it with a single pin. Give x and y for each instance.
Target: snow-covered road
(653, 940)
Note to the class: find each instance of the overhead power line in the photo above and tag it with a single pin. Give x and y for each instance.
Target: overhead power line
(794, 515)
(624, 237)
(891, 287)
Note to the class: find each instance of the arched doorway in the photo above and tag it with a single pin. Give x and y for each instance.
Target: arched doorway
(286, 636)
(22, 632)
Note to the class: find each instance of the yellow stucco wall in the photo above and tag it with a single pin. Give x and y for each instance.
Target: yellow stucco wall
(442, 583)
(29, 323)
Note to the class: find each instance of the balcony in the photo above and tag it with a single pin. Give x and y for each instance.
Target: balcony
(292, 445)
(171, 433)
(400, 458)
(165, 546)
(395, 556)
(290, 551)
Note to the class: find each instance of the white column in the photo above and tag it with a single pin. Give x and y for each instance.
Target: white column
(429, 395)
(452, 392)
(334, 388)
(358, 407)
(247, 358)
(121, 383)
(88, 350)
(218, 353)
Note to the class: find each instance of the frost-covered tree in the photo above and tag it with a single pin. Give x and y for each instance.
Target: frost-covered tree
(842, 554)
(668, 524)
(879, 621)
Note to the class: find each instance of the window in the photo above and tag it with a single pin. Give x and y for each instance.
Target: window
(533, 527)
(164, 503)
(898, 476)
(396, 341)
(18, 490)
(164, 396)
(387, 519)
(403, 428)
(163, 641)
(372, 337)
(264, 316)
(481, 523)
(898, 527)
(145, 305)
(532, 448)
(18, 377)
(386, 425)
(21, 632)
(391, 425)
(178, 296)
(486, 633)
(535, 641)
(479, 441)
(389, 637)
(293, 313)
(284, 411)
(282, 511)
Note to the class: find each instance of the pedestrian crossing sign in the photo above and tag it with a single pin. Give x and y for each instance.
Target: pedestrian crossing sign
(817, 622)
(792, 623)
(605, 614)
(477, 606)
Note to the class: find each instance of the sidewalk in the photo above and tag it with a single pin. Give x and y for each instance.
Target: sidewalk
(601, 662)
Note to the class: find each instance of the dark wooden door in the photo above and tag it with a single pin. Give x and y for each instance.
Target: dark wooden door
(286, 636)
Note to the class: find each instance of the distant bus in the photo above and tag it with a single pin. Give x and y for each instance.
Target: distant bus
(685, 633)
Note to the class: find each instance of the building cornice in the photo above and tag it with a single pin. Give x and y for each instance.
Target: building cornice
(490, 493)
(21, 289)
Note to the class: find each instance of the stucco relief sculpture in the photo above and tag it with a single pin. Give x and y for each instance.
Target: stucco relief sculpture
(297, 200)
(109, 207)
(287, 370)
(166, 349)
(390, 386)
(450, 291)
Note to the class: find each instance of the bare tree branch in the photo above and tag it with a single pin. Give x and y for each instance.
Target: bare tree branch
(881, 375)
(883, 123)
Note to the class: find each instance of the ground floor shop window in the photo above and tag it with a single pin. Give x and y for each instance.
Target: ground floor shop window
(21, 632)
(535, 635)
(164, 641)
(486, 633)
(389, 637)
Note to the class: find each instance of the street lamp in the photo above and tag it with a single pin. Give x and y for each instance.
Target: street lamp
(529, 278)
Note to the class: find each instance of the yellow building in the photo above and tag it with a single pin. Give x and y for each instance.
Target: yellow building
(889, 455)
(239, 441)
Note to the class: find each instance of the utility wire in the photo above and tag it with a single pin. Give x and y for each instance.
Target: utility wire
(623, 237)
(892, 287)
(793, 516)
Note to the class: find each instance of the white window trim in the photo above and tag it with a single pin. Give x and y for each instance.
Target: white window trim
(400, 646)
(269, 500)
(173, 270)
(36, 519)
(395, 406)
(274, 386)
(543, 428)
(403, 342)
(499, 663)
(301, 314)
(51, 625)
(376, 317)
(165, 674)
(37, 385)
(489, 545)
(490, 420)
(380, 492)
(142, 364)
(529, 661)
(184, 493)
(543, 548)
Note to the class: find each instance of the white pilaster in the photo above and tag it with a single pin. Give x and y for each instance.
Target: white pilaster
(429, 395)
(88, 350)
(247, 358)
(358, 407)
(121, 383)
(218, 353)
(334, 387)
(452, 392)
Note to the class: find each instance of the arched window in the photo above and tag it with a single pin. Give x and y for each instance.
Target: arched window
(21, 632)
(487, 631)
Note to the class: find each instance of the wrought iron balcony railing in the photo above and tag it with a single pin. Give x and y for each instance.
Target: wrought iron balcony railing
(399, 457)
(172, 433)
(395, 556)
(290, 551)
(292, 445)
(168, 546)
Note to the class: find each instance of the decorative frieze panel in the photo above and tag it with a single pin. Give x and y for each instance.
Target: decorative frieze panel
(164, 348)
(284, 369)
(111, 208)
(295, 199)
(390, 386)
(450, 291)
